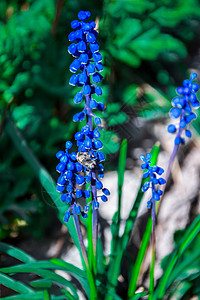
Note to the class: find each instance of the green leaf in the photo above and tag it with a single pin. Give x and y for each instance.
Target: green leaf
(41, 283)
(79, 274)
(126, 56)
(15, 252)
(130, 94)
(21, 187)
(54, 264)
(181, 290)
(188, 265)
(62, 265)
(117, 216)
(36, 268)
(113, 108)
(121, 172)
(67, 295)
(126, 31)
(110, 141)
(15, 285)
(138, 263)
(36, 295)
(186, 240)
(117, 119)
(100, 258)
(138, 296)
(172, 15)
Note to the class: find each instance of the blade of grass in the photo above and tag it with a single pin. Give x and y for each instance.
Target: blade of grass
(121, 171)
(43, 273)
(55, 264)
(117, 216)
(15, 252)
(47, 295)
(188, 237)
(37, 295)
(137, 265)
(41, 283)
(175, 275)
(15, 285)
(139, 296)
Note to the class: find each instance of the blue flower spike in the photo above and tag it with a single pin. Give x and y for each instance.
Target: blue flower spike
(84, 166)
(151, 173)
(183, 106)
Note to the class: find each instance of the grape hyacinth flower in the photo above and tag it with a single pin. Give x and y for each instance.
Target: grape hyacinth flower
(182, 109)
(152, 172)
(84, 167)
(153, 182)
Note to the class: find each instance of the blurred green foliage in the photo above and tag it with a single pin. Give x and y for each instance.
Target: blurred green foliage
(184, 278)
(142, 42)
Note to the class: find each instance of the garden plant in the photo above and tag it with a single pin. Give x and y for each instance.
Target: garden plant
(80, 191)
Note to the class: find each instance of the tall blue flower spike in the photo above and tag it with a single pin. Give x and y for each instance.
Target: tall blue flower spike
(182, 109)
(83, 167)
(153, 182)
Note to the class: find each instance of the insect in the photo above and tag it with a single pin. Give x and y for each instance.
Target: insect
(86, 159)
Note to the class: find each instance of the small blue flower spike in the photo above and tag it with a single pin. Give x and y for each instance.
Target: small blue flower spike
(152, 172)
(84, 167)
(182, 109)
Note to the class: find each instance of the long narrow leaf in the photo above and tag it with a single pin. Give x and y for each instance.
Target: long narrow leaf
(121, 171)
(58, 263)
(55, 264)
(117, 216)
(15, 285)
(43, 273)
(100, 258)
(41, 283)
(137, 265)
(46, 295)
(36, 295)
(15, 252)
(188, 237)
(139, 296)
(180, 269)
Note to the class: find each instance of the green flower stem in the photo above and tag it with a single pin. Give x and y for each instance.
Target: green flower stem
(153, 253)
(47, 295)
(94, 238)
(93, 291)
(89, 235)
(80, 237)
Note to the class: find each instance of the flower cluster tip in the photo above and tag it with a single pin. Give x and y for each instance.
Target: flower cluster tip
(183, 106)
(152, 172)
(84, 167)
